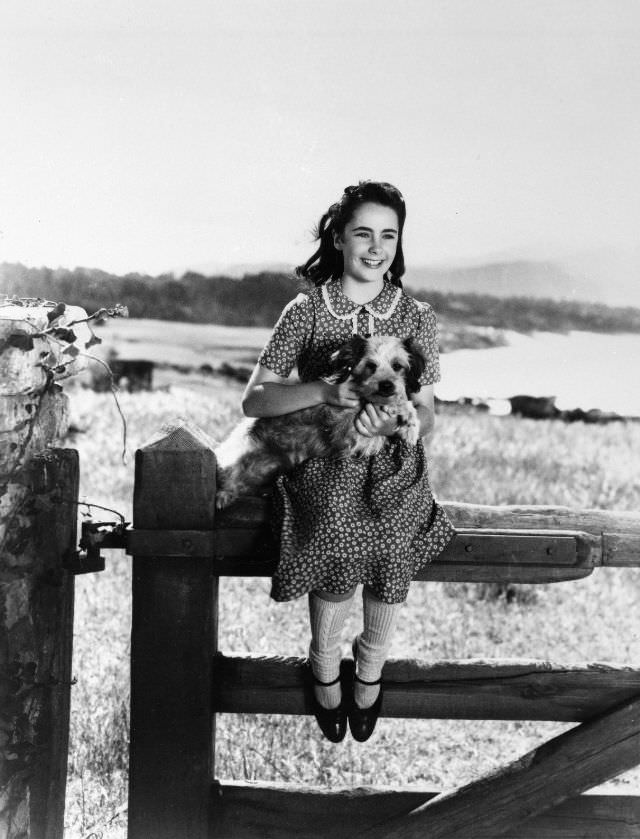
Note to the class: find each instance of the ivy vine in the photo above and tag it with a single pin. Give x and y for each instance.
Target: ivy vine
(65, 337)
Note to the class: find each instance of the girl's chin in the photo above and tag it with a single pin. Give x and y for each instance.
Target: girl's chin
(364, 272)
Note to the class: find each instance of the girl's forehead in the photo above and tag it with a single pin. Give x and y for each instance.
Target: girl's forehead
(375, 216)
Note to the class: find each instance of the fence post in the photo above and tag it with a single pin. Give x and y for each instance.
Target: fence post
(38, 513)
(173, 639)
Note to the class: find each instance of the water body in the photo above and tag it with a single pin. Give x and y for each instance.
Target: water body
(581, 369)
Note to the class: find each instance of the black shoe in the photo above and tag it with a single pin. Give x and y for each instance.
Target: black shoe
(362, 721)
(332, 721)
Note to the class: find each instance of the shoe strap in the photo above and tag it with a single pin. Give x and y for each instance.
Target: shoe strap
(363, 682)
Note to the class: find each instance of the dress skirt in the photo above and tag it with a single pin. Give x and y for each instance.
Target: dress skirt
(358, 520)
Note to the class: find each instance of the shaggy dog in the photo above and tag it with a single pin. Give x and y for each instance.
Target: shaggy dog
(386, 372)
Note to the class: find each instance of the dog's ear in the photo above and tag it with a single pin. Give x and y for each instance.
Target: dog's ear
(417, 364)
(345, 359)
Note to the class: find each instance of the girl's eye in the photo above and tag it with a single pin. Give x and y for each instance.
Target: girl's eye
(362, 234)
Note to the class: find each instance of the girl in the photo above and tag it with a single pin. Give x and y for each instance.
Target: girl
(353, 520)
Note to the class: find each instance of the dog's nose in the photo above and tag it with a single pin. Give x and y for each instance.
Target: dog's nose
(385, 388)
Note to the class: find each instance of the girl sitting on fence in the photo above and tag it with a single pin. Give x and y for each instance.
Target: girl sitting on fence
(352, 520)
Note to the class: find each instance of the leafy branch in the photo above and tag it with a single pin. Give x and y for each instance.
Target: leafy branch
(65, 337)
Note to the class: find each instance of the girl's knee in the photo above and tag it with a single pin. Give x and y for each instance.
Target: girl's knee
(368, 593)
(334, 598)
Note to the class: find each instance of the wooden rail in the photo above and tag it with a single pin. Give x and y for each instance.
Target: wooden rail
(472, 556)
(582, 757)
(180, 680)
(466, 689)
(258, 810)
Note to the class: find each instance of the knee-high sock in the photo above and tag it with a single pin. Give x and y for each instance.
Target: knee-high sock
(373, 645)
(327, 620)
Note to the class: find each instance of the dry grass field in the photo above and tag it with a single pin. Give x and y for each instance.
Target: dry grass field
(474, 458)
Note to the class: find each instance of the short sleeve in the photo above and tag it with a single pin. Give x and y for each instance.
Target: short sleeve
(427, 337)
(289, 337)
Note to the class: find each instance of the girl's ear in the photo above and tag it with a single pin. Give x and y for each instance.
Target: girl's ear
(338, 244)
(417, 363)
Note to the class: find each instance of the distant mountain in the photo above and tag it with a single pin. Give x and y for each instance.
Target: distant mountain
(597, 277)
(529, 278)
(505, 279)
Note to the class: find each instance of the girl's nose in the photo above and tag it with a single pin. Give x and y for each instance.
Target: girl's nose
(375, 247)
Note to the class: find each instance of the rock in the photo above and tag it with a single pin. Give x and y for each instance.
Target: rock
(534, 407)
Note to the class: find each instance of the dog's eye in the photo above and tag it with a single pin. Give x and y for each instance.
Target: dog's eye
(396, 367)
(370, 368)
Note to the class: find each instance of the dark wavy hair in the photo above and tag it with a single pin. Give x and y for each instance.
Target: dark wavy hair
(327, 262)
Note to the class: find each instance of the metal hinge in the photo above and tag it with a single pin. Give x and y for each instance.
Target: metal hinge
(95, 536)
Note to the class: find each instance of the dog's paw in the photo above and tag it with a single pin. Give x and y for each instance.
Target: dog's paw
(367, 446)
(224, 497)
(412, 434)
(409, 426)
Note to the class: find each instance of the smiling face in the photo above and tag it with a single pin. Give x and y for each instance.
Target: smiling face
(368, 243)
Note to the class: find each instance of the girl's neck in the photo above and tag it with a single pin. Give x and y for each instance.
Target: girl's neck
(360, 292)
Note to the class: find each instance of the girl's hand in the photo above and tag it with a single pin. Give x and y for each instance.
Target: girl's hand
(343, 395)
(375, 420)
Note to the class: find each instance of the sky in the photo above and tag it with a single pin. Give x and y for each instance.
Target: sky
(153, 136)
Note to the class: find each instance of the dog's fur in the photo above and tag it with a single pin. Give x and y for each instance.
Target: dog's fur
(386, 372)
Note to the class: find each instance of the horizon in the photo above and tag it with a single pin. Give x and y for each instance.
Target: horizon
(435, 278)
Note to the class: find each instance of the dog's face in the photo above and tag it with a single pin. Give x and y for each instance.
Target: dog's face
(383, 367)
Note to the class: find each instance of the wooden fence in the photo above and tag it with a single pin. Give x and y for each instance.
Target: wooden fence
(181, 680)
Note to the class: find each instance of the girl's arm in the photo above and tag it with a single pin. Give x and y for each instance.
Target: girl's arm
(423, 400)
(371, 421)
(270, 395)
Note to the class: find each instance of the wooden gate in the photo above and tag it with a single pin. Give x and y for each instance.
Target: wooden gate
(180, 680)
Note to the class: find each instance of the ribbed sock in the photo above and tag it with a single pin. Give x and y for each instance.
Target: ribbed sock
(327, 621)
(373, 646)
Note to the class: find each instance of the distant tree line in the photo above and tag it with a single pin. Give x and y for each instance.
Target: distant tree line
(528, 314)
(258, 299)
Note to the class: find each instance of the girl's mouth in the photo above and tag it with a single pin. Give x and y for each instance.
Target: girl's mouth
(372, 263)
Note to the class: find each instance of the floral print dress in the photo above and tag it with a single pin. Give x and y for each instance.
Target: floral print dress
(346, 521)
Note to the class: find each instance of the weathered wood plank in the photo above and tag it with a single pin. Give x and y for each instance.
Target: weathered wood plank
(577, 760)
(254, 511)
(543, 516)
(173, 640)
(270, 811)
(516, 556)
(620, 550)
(37, 528)
(471, 689)
(619, 531)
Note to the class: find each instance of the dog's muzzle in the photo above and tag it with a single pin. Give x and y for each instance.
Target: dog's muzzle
(386, 388)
